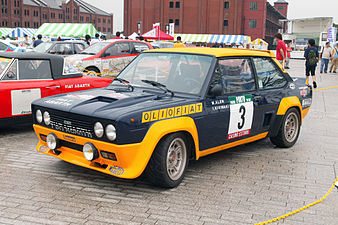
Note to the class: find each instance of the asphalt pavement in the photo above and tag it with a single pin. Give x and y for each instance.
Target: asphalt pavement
(244, 185)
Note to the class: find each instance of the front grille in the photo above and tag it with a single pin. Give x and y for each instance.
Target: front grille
(71, 124)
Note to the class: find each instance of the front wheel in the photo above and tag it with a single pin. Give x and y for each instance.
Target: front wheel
(289, 131)
(169, 161)
(92, 72)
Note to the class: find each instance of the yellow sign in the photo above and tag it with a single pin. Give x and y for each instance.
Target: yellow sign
(171, 112)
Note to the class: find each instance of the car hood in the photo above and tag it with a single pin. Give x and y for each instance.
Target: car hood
(109, 104)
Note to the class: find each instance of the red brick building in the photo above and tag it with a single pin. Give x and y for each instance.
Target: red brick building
(256, 18)
(33, 13)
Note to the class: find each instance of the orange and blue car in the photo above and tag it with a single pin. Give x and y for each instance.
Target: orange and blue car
(170, 106)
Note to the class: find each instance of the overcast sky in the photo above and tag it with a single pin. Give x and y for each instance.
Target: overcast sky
(297, 9)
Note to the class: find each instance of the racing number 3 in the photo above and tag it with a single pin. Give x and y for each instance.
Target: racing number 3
(241, 115)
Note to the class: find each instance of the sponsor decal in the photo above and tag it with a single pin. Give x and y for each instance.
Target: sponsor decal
(116, 170)
(306, 102)
(168, 113)
(292, 86)
(304, 92)
(59, 101)
(218, 105)
(43, 148)
(77, 86)
(241, 116)
(69, 138)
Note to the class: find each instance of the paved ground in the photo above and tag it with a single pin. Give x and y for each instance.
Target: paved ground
(248, 184)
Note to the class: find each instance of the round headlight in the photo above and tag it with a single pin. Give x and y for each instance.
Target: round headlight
(46, 118)
(98, 129)
(52, 141)
(38, 116)
(90, 152)
(111, 132)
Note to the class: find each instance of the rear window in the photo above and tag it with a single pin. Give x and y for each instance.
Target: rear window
(43, 47)
(34, 70)
(140, 47)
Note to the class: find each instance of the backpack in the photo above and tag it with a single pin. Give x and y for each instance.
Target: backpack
(312, 57)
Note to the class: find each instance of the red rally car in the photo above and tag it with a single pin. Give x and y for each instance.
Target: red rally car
(25, 77)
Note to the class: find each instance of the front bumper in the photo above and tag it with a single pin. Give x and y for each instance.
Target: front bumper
(131, 159)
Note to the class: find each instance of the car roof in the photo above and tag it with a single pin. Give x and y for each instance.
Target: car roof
(56, 62)
(29, 55)
(217, 52)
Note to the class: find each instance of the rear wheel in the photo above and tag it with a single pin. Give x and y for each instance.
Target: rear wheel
(92, 71)
(289, 131)
(169, 161)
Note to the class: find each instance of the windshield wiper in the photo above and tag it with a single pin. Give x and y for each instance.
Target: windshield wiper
(123, 81)
(159, 86)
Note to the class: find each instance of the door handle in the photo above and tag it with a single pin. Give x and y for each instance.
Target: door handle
(53, 87)
(257, 98)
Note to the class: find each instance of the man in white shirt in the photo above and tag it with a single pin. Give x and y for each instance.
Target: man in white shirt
(95, 39)
(325, 56)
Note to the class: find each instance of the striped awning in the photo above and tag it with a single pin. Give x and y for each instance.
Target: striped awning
(21, 32)
(4, 31)
(194, 37)
(66, 30)
(258, 41)
(228, 39)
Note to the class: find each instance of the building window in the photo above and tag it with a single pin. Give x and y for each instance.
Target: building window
(104, 20)
(178, 5)
(280, 7)
(226, 5)
(253, 6)
(108, 29)
(171, 20)
(81, 18)
(253, 23)
(177, 22)
(226, 23)
(99, 20)
(87, 19)
(104, 29)
(171, 5)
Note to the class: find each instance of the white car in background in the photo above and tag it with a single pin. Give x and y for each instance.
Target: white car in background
(11, 46)
(108, 58)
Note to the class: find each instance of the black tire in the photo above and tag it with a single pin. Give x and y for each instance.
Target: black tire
(92, 69)
(283, 140)
(157, 172)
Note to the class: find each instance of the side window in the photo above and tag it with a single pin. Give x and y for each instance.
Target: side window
(139, 47)
(269, 76)
(117, 49)
(12, 72)
(62, 49)
(78, 48)
(34, 70)
(234, 75)
(3, 46)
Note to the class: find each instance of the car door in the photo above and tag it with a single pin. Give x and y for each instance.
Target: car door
(271, 89)
(23, 82)
(231, 113)
(116, 57)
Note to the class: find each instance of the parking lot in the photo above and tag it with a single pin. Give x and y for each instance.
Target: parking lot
(244, 185)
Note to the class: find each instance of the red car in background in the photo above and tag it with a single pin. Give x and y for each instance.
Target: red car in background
(25, 77)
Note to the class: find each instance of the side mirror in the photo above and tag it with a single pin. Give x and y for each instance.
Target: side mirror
(216, 90)
(10, 75)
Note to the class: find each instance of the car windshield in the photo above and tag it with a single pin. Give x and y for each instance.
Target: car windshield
(43, 47)
(3, 64)
(95, 48)
(183, 73)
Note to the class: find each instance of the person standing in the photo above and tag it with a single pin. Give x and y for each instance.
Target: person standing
(95, 39)
(325, 58)
(179, 43)
(37, 42)
(288, 55)
(118, 35)
(88, 39)
(334, 58)
(312, 58)
(26, 41)
(281, 48)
